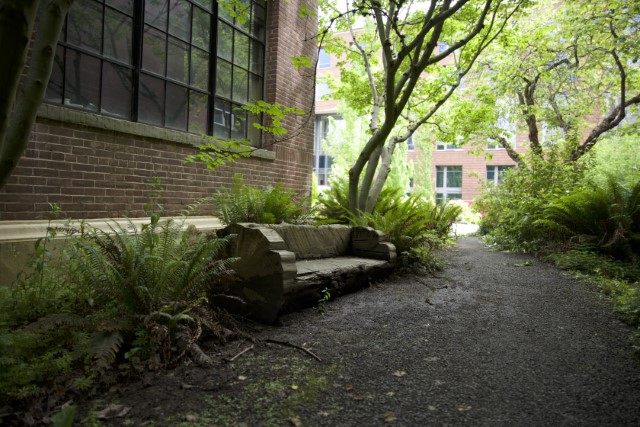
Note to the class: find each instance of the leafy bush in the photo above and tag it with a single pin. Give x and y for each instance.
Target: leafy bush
(150, 284)
(415, 226)
(511, 210)
(605, 217)
(124, 294)
(243, 203)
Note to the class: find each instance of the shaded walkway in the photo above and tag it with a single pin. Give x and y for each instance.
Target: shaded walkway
(497, 339)
(493, 341)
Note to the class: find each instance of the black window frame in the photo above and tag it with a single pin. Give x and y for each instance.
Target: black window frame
(254, 29)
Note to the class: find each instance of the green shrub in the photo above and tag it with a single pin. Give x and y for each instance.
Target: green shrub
(243, 203)
(415, 226)
(605, 217)
(124, 294)
(511, 210)
(150, 284)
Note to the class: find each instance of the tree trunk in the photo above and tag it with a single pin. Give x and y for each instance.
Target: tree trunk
(15, 140)
(367, 179)
(16, 25)
(381, 178)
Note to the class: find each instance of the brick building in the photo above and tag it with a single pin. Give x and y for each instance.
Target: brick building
(136, 84)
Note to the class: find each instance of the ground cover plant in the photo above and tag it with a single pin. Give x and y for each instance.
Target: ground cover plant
(414, 225)
(270, 205)
(108, 303)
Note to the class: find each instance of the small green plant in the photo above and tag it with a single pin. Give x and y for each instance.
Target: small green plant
(605, 217)
(323, 301)
(244, 203)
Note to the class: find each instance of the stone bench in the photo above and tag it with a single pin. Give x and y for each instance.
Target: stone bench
(285, 267)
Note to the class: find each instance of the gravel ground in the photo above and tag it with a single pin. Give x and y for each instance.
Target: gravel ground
(497, 339)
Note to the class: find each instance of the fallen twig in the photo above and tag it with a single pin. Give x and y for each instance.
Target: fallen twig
(241, 353)
(288, 344)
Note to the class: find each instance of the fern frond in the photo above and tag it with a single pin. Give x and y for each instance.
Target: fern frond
(104, 348)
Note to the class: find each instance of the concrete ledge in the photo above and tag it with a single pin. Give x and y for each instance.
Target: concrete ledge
(17, 238)
(70, 115)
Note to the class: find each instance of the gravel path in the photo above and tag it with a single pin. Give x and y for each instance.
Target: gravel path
(497, 339)
(492, 341)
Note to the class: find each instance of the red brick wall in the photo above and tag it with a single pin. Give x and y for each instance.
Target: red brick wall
(474, 167)
(95, 173)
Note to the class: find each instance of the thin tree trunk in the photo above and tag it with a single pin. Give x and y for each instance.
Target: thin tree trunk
(381, 177)
(32, 91)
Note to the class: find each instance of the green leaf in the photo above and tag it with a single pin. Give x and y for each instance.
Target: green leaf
(301, 61)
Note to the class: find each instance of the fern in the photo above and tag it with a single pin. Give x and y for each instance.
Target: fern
(243, 203)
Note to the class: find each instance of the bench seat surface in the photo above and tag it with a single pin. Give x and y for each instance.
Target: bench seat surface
(330, 265)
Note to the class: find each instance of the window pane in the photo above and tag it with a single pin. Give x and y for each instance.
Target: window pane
(454, 196)
(255, 88)
(153, 51)
(324, 60)
(200, 69)
(223, 79)
(490, 173)
(198, 112)
(241, 50)
(180, 19)
(176, 107)
(54, 89)
(254, 134)
(243, 14)
(258, 22)
(224, 12)
(125, 6)
(222, 119)
(151, 100)
(84, 25)
(257, 57)
(118, 36)
(201, 28)
(439, 176)
(454, 176)
(225, 41)
(204, 3)
(238, 123)
(82, 82)
(240, 84)
(117, 84)
(155, 13)
(178, 60)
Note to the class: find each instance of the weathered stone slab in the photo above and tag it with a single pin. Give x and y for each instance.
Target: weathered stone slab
(285, 267)
(309, 242)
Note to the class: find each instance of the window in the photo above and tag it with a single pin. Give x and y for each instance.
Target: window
(496, 173)
(156, 62)
(446, 146)
(324, 59)
(448, 183)
(322, 89)
(324, 125)
(410, 144)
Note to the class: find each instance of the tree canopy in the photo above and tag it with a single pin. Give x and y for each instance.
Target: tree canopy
(563, 73)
